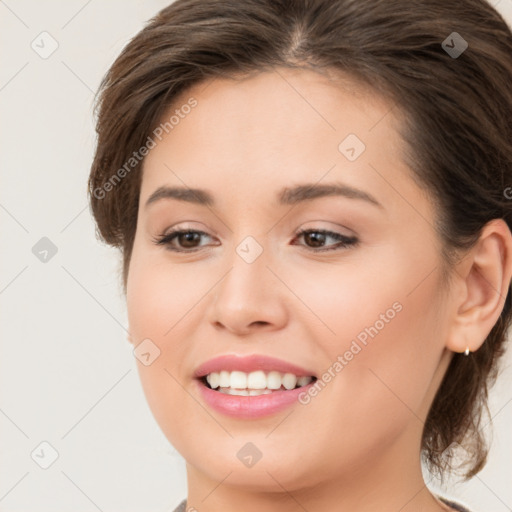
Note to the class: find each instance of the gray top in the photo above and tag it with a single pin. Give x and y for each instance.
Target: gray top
(453, 504)
(182, 507)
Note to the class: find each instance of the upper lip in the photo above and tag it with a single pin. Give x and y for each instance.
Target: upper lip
(232, 362)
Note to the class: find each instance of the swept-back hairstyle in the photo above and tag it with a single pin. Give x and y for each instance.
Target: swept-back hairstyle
(457, 129)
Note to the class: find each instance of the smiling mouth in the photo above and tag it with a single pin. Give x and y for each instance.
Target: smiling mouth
(254, 383)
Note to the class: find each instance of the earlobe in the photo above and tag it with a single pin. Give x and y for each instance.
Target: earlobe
(484, 276)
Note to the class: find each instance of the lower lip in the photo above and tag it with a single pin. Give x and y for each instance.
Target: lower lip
(251, 406)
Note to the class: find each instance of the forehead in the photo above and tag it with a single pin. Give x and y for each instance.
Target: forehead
(280, 104)
(272, 129)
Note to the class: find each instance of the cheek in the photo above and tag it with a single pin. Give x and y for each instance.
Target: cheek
(347, 296)
(158, 297)
(382, 315)
(388, 382)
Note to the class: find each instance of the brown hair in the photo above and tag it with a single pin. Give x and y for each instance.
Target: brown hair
(457, 128)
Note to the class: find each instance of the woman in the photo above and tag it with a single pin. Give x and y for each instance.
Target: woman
(311, 201)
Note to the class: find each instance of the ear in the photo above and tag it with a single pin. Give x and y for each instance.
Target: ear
(482, 281)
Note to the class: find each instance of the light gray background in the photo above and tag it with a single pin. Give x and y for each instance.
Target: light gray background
(68, 376)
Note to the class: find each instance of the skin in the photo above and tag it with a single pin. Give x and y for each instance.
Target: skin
(356, 445)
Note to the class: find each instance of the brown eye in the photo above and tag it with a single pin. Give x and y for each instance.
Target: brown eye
(316, 238)
(188, 240)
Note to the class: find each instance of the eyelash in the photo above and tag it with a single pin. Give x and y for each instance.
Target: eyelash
(343, 241)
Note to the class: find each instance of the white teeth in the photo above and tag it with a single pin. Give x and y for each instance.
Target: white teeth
(303, 381)
(238, 380)
(274, 380)
(224, 379)
(256, 392)
(257, 380)
(214, 380)
(289, 380)
(254, 383)
(245, 392)
(231, 391)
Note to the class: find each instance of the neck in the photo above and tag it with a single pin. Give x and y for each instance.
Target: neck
(390, 480)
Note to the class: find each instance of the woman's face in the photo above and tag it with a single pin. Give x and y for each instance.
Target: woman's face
(365, 318)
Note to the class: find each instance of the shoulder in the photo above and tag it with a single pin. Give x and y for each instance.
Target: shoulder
(456, 506)
(181, 507)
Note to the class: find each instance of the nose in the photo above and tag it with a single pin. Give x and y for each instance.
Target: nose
(249, 298)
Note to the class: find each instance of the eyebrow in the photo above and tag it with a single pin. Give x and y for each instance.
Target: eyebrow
(287, 196)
